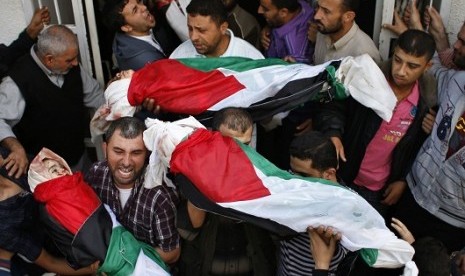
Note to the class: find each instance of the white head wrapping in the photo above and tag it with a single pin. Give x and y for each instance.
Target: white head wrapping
(162, 138)
(39, 173)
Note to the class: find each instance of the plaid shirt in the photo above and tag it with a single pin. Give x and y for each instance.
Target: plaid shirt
(149, 214)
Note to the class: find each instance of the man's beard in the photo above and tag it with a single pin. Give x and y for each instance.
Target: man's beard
(332, 30)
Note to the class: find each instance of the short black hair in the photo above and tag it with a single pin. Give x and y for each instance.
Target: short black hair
(417, 43)
(431, 257)
(130, 128)
(234, 118)
(213, 8)
(314, 146)
(350, 5)
(291, 5)
(113, 17)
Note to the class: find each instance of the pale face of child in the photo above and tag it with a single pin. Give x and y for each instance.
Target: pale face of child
(54, 168)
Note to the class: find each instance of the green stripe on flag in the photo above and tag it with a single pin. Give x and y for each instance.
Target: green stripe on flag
(369, 255)
(238, 64)
(123, 251)
(269, 169)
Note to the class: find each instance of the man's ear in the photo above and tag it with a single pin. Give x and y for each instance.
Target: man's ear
(283, 12)
(348, 16)
(48, 59)
(224, 27)
(428, 65)
(126, 28)
(330, 174)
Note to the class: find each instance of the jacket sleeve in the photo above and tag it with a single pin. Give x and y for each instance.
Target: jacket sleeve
(330, 118)
(9, 54)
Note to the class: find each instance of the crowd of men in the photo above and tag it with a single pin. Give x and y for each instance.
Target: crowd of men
(410, 169)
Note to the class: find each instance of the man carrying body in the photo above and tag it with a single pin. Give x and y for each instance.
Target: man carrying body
(215, 244)
(43, 102)
(209, 34)
(312, 155)
(134, 44)
(288, 20)
(149, 214)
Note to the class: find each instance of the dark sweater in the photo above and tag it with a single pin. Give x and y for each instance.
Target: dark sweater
(54, 117)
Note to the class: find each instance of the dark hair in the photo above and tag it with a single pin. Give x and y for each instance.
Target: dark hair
(234, 118)
(417, 43)
(113, 17)
(129, 127)
(316, 147)
(350, 5)
(291, 5)
(213, 8)
(431, 257)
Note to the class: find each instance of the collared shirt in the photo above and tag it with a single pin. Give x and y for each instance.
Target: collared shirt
(237, 48)
(150, 39)
(291, 38)
(435, 180)
(353, 43)
(12, 103)
(376, 164)
(149, 214)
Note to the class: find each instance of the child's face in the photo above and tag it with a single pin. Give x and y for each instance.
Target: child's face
(54, 168)
(244, 137)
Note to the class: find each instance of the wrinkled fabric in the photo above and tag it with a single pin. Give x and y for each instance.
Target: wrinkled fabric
(234, 176)
(367, 84)
(161, 138)
(38, 173)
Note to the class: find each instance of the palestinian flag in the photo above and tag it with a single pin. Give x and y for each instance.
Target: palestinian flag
(86, 231)
(193, 86)
(228, 178)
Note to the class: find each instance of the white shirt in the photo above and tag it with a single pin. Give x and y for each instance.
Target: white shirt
(237, 48)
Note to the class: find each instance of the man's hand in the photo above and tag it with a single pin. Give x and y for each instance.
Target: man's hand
(151, 106)
(312, 32)
(437, 29)
(393, 192)
(403, 231)
(398, 27)
(289, 59)
(339, 148)
(412, 16)
(307, 125)
(428, 122)
(322, 245)
(16, 162)
(40, 18)
(265, 39)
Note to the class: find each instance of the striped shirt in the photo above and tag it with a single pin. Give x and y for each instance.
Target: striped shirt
(149, 214)
(436, 179)
(295, 257)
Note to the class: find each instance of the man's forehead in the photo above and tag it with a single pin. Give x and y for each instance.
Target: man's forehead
(199, 19)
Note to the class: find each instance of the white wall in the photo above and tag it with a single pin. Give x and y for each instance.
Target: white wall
(456, 19)
(12, 20)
